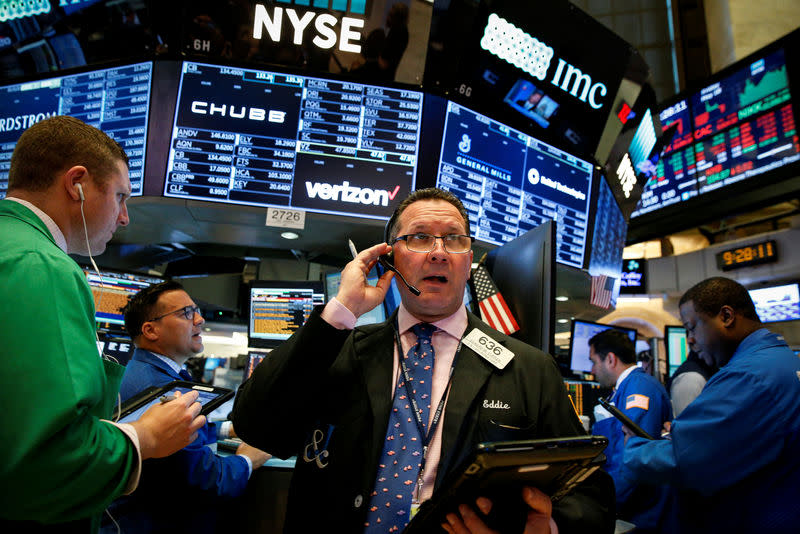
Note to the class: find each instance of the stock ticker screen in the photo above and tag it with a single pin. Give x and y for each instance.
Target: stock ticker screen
(115, 100)
(278, 310)
(511, 182)
(736, 128)
(263, 138)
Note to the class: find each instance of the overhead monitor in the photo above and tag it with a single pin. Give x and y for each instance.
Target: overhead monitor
(634, 277)
(266, 138)
(582, 332)
(608, 233)
(112, 289)
(510, 182)
(115, 100)
(777, 303)
(677, 347)
(735, 147)
(375, 315)
(278, 309)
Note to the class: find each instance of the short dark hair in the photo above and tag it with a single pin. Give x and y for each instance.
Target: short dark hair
(54, 145)
(431, 193)
(616, 341)
(710, 295)
(142, 306)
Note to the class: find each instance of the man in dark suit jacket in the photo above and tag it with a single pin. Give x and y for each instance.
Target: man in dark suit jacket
(327, 393)
(165, 324)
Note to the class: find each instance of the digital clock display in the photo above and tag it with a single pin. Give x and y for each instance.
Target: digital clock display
(755, 254)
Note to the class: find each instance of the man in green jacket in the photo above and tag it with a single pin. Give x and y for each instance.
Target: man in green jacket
(63, 460)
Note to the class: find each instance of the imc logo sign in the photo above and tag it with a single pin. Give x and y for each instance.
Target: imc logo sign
(17, 9)
(305, 24)
(531, 55)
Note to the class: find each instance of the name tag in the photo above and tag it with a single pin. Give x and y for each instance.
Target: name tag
(489, 349)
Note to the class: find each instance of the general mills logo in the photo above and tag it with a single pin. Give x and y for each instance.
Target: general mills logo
(356, 6)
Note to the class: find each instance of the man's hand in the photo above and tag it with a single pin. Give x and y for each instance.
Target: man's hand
(538, 522)
(354, 292)
(257, 456)
(168, 427)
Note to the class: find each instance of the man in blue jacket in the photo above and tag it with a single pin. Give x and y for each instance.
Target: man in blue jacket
(642, 398)
(734, 450)
(165, 325)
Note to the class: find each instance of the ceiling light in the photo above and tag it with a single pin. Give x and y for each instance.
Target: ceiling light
(562, 321)
(290, 235)
(562, 298)
(632, 300)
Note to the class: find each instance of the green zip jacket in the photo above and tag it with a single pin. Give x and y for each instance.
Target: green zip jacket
(59, 462)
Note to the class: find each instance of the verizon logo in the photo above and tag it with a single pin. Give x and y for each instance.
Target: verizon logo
(349, 193)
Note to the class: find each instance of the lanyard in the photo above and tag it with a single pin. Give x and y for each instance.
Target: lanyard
(426, 437)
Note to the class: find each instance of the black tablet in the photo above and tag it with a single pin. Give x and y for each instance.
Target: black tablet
(209, 397)
(499, 471)
(624, 419)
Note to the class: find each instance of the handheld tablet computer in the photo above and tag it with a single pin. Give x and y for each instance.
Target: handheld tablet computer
(624, 419)
(209, 397)
(499, 471)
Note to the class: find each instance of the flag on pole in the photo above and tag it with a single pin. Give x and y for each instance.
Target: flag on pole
(602, 287)
(492, 305)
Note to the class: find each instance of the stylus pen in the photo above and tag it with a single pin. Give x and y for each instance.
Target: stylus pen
(166, 398)
(353, 250)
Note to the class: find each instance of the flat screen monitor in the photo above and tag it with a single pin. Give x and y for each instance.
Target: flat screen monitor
(111, 291)
(279, 308)
(524, 272)
(115, 100)
(264, 138)
(510, 182)
(777, 303)
(608, 233)
(677, 347)
(375, 315)
(582, 332)
(532, 102)
(253, 359)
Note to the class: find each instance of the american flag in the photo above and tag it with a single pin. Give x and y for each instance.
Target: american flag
(602, 287)
(493, 307)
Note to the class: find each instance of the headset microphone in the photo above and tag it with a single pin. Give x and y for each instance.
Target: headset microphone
(385, 259)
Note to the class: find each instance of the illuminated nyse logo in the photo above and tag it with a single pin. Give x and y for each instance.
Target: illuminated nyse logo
(535, 178)
(626, 175)
(531, 55)
(349, 193)
(223, 110)
(323, 23)
(17, 9)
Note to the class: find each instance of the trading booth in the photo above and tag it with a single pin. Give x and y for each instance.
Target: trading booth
(244, 119)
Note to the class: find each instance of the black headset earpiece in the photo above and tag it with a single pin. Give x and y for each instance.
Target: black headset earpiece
(387, 260)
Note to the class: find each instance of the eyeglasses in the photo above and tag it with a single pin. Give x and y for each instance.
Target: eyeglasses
(187, 311)
(452, 243)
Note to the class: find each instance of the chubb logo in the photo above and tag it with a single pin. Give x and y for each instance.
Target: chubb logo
(349, 193)
(323, 23)
(240, 112)
(17, 9)
(531, 55)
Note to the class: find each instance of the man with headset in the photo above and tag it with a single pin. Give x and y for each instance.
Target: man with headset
(340, 398)
(63, 460)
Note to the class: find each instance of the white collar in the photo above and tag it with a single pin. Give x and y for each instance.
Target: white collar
(624, 375)
(58, 235)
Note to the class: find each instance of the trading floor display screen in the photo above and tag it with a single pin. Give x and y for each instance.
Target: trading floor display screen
(111, 291)
(734, 129)
(115, 100)
(511, 182)
(276, 312)
(269, 139)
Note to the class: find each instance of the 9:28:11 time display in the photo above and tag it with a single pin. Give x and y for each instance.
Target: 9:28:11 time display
(753, 254)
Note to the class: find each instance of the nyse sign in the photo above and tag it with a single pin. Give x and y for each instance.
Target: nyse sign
(531, 55)
(323, 24)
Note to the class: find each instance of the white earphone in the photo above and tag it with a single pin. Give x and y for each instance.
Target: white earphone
(79, 187)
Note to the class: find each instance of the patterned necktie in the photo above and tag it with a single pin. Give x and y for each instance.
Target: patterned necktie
(398, 469)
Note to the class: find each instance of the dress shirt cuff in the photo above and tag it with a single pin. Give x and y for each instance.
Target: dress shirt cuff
(249, 464)
(130, 432)
(553, 526)
(224, 429)
(338, 316)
